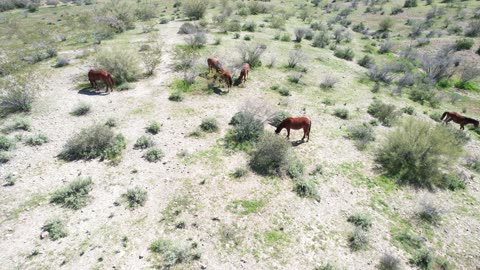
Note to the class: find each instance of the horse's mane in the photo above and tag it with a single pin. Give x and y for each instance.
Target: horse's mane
(471, 120)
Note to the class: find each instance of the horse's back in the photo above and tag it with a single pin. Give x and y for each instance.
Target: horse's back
(297, 122)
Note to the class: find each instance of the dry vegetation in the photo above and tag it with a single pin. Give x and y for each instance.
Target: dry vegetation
(172, 171)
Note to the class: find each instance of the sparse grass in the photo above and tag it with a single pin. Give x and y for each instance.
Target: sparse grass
(75, 194)
(143, 142)
(111, 122)
(5, 143)
(341, 113)
(389, 262)
(424, 259)
(36, 140)
(209, 125)
(153, 128)
(135, 197)
(9, 180)
(240, 172)
(55, 228)
(361, 220)
(154, 155)
(359, 239)
(430, 213)
(176, 96)
(246, 207)
(19, 123)
(81, 109)
(306, 188)
(172, 252)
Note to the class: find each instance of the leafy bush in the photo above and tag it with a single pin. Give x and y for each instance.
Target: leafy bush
(423, 259)
(383, 74)
(61, 62)
(361, 220)
(321, 39)
(410, 3)
(251, 54)
(341, 113)
(209, 125)
(295, 169)
(17, 94)
(5, 143)
(362, 134)
(74, 195)
(197, 40)
(118, 15)
(249, 26)
(123, 65)
(176, 96)
(389, 262)
(55, 228)
(92, 142)
(154, 155)
(144, 142)
(299, 34)
(386, 24)
(246, 127)
(152, 58)
(4, 157)
(409, 110)
(278, 117)
(425, 93)
(416, 152)
(81, 109)
(271, 156)
(463, 44)
(429, 212)
(195, 9)
(386, 113)
(345, 53)
(135, 197)
(36, 140)
(366, 61)
(153, 127)
(385, 47)
(328, 83)
(473, 29)
(359, 239)
(172, 252)
(306, 189)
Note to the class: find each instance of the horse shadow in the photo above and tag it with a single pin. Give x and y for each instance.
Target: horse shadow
(92, 92)
(219, 91)
(297, 143)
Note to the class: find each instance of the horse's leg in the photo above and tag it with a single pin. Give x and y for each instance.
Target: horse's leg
(288, 133)
(462, 127)
(96, 85)
(91, 83)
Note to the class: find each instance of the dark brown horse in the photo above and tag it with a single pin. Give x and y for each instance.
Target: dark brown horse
(244, 73)
(95, 75)
(213, 63)
(227, 77)
(296, 123)
(459, 119)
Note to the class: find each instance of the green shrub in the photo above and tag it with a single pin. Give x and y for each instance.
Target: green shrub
(295, 169)
(239, 172)
(249, 26)
(361, 220)
(271, 156)
(93, 142)
(424, 93)
(143, 142)
(195, 9)
(359, 239)
(32, 7)
(278, 117)
(295, 77)
(467, 85)
(209, 125)
(246, 128)
(123, 65)
(306, 189)
(9, 179)
(111, 122)
(75, 194)
(17, 94)
(362, 134)
(61, 62)
(176, 96)
(416, 152)
(452, 182)
(154, 155)
(321, 40)
(135, 197)
(36, 140)
(410, 3)
(4, 157)
(386, 113)
(55, 228)
(424, 259)
(389, 262)
(430, 212)
(251, 54)
(463, 44)
(345, 53)
(19, 123)
(386, 24)
(341, 113)
(408, 110)
(5, 143)
(153, 128)
(172, 252)
(81, 109)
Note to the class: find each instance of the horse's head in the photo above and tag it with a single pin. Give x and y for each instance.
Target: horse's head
(475, 124)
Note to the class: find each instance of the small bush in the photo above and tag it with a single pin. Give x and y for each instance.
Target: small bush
(463, 44)
(389, 262)
(4, 157)
(386, 113)
(197, 40)
(9, 179)
(341, 113)
(271, 156)
(359, 239)
(176, 96)
(385, 47)
(361, 220)
(172, 253)
(123, 65)
(135, 197)
(153, 128)
(383, 74)
(430, 212)
(143, 142)
(19, 123)
(246, 128)
(209, 125)
(473, 162)
(61, 62)
(366, 61)
(299, 34)
(152, 58)
(81, 109)
(111, 122)
(55, 228)
(277, 118)
(239, 172)
(187, 29)
(75, 194)
(424, 93)
(321, 40)
(408, 110)
(5, 143)
(296, 57)
(195, 9)
(154, 155)
(92, 142)
(473, 29)
(410, 3)
(17, 94)
(306, 189)
(328, 83)
(252, 54)
(386, 24)
(296, 169)
(416, 152)
(249, 26)
(36, 140)
(424, 259)
(345, 53)
(362, 134)
(295, 77)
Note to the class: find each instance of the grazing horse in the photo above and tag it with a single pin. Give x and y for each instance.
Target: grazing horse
(227, 77)
(296, 123)
(244, 73)
(213, 63)
(459, 119)
(95, 75)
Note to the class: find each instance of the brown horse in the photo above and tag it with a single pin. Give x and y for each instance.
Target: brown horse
(459, 119)
(213, 63)
(95, 75)
(227, 77)
(244, 73)
(296, 123)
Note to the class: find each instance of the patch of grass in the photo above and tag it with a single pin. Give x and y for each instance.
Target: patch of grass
(93, 142)
(154, 155)
(341, 113)
(246, 207)
(81, 109)
(55, 228)
(36, 140)
(153, 128)
(18, 123)
(359, 239)
(172, 252)
(143, 142)
(361, 220)
(135, 197)
(75, 194)
(209, 125)
(306, 188)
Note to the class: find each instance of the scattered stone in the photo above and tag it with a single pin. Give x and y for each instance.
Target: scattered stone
(43, 235)
(140, 257)
(243, 260)
(203, 266)
(215, 219)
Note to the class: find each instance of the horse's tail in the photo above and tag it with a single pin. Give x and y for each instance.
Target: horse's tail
(443, 115)
(112, 81)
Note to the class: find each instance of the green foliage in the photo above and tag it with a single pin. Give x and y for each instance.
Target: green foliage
(246, 129)
(386, 24)
(386, 113)
(135, 197)
(389, 262)
(245, 207)
(430, 213)
(410, 3)
(154, 155)
(123, 13)
(366, 61)
(209, 125)
(176, 96)
(172, 252)
(271, 156)
(240, 172)
(341, 113)
(111, 122)
(144, 142)
(195, 9)
(361, 220)
(463, 44)
(423, 259)
(408, 110)
(81, 109)
(5, 143)
(36, 140)
(153, 127)
(468, 85)
(17, 94)
(362, 134)
(278, 117)
(424, 93)
(75, 194)
(306, 189)
(123, 65)
(93, 142)
(321, 39)
(345, 53)
(4, 157)
(249, 26)
(55, 228)
(19, 123)
(296, 169)
(9, 179)
(417, 151)
(359, 239)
